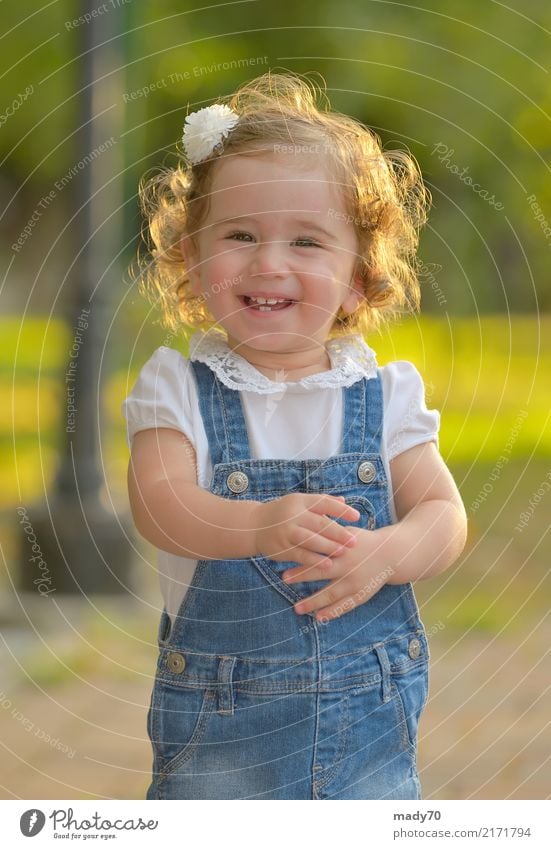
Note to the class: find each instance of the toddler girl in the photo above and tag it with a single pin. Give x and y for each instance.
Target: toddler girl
(293, 488)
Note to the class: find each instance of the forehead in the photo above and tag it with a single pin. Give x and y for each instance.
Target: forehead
(267, 181)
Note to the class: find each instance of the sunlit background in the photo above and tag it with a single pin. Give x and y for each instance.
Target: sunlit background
(91, 97)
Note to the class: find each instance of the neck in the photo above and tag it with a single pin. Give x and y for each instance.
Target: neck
(284, 366)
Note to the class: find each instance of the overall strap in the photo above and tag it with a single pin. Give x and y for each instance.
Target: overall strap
(363, 416)
(223, 418)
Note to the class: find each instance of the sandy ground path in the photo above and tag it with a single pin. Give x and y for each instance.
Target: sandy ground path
(76, 691)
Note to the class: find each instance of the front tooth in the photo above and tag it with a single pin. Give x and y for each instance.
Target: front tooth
(273, 301)
(260, 300)
(263, 308)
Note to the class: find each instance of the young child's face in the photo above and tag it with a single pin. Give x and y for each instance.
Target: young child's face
(276, 228)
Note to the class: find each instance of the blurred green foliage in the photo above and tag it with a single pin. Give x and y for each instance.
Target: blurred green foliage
(491, 404)
(464, 87)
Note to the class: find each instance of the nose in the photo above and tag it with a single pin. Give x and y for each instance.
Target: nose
(268, 260)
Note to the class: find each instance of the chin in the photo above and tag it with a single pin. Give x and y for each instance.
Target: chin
(264, 342)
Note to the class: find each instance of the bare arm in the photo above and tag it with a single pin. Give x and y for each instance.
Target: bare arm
(175, 514)
(432, 523)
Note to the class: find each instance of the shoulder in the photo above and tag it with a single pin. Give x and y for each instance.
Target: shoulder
(165, 367)
(400, 376)
(167, 359)
(162, 395)
(407, 420)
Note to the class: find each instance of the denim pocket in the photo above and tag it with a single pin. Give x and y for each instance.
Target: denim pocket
(178, 721)
(410, 692)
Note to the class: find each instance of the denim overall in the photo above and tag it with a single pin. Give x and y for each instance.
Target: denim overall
(254, 701)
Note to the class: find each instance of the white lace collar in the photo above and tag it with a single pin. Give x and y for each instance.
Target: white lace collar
(351, 359)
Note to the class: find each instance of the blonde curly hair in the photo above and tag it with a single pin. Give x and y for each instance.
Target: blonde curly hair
(383, 191)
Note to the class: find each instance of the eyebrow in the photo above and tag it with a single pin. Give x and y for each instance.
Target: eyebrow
(310, 225)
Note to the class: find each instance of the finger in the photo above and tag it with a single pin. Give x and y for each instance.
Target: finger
(326, 597)
(311, 541)
(347, 600)
(332, 506)
(318, 571)
(329, 529)
(306, 559)
(333, 611)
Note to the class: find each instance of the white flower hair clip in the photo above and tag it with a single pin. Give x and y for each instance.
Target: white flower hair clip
(205, 129)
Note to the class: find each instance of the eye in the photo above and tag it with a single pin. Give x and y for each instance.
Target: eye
(238, 234)
(307, 243)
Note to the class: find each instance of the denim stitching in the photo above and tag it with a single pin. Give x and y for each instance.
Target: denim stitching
(405, 637)
(402, 722)
(189, 748)
(344, 732)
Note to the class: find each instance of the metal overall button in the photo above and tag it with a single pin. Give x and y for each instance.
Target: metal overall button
(237, 481)
(414, 648)
(175, 661)
(367, 471)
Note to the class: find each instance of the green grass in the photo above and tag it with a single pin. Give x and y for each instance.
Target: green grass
(121, 651)
(502, 579)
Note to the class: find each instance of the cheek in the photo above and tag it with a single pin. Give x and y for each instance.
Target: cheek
(224, 259)
(213, 268)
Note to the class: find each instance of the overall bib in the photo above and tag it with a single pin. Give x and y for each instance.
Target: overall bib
(254, 701)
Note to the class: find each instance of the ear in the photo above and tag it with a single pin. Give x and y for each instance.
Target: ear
(355, 294)
(190, 256)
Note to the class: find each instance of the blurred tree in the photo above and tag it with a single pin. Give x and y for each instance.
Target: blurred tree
(465, 88)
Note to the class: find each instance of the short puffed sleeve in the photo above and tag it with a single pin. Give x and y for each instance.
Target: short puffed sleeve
(407, 421)
(159, 397)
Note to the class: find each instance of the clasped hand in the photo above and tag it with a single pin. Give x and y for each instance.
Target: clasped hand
(298, 527)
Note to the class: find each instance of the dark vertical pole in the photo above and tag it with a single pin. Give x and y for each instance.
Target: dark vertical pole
(83, 543)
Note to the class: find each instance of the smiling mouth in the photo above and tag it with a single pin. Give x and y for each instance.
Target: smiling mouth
(266, 304)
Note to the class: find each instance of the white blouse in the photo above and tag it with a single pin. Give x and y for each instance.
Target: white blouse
(289, 420)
